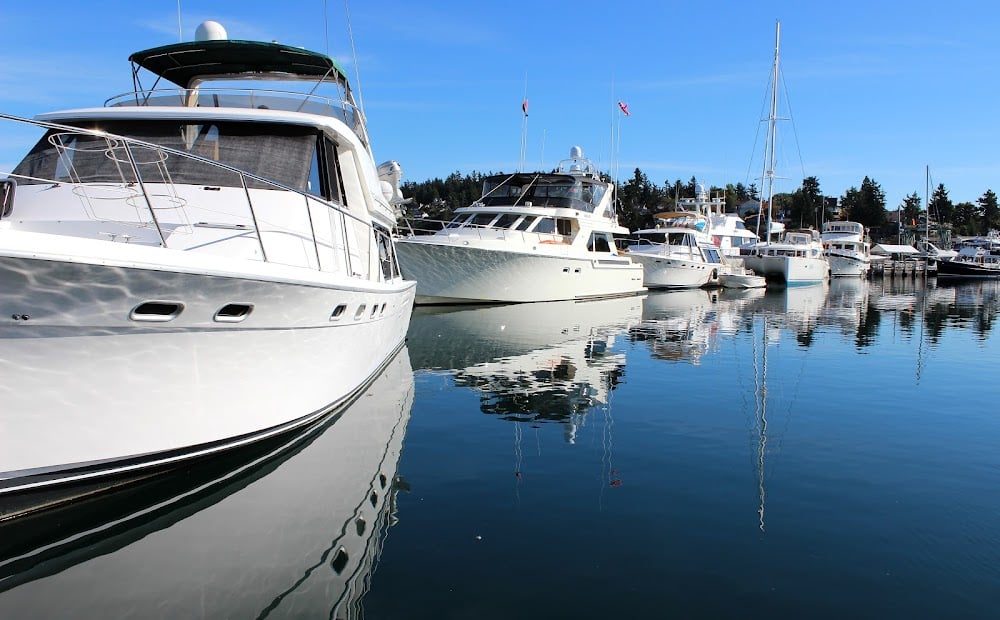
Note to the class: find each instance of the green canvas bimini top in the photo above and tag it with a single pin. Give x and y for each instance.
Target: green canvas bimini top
(193, 61)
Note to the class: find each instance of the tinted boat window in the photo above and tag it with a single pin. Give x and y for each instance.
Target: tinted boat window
(282, 153)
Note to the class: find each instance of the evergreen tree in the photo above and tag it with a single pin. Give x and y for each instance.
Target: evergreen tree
(866, 205)
(637, 198)
(989, 211)
(966, 219)
(941, 206)
(911, 209)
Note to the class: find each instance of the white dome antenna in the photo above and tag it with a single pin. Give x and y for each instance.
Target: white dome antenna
(575, 152)
(210, 31)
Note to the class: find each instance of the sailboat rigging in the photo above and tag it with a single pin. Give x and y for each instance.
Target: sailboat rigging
(798, 257)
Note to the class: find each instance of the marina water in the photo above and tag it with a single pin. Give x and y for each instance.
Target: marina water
(820, 451)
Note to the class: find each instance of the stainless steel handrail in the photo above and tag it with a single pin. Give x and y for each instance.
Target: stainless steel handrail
(130, 143)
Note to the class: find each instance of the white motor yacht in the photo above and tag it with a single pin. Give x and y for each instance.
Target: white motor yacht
(531, 237)
(189, 269)
(678, 252)
(796, 259)
(728, 230)
(846, 248)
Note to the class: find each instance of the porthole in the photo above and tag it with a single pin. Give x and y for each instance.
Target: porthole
(338, 312)
(360, 312)
(360, 524)
(374, 310)
(233, 313)
(156, 311)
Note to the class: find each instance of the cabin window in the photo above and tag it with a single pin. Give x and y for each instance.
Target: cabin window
(600, 242)
(545, 225)
(506, 220)
(482, 219)
(525, 223)
(457, 221)
(278, 152)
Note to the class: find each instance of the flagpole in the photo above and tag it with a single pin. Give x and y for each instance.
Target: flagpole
(524, 125)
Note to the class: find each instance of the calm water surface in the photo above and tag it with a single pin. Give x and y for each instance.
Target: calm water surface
(827, 451)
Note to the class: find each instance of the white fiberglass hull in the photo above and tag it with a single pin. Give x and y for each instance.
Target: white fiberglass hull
(295, 532)
(447, 273)
(790, 269)
(670, 272)
(91, 390)
(848, 266)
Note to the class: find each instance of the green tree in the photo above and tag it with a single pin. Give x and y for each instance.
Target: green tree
(989, 211)
(941, 205)
(866, 205)
(966, 219)
(911, 209)
(637, 199)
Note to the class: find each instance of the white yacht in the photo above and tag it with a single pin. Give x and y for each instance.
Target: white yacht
(531, 237)
(190, 269)
(796, 259)
(846, 248)
(678, 252)
(728, 230)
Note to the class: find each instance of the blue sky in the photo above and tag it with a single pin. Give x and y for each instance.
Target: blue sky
(875, 88)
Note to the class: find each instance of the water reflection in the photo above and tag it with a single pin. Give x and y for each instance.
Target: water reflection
(538, 362)
(290, 528)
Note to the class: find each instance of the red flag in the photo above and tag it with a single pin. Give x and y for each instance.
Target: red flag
(624, 107)
(524, 107)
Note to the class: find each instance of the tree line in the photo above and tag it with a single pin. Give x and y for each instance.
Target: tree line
(639, 199)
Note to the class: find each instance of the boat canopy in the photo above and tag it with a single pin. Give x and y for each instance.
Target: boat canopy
(186, 64)
(887, 249)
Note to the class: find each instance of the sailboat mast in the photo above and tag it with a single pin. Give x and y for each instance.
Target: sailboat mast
(772, 129)
(927, 204)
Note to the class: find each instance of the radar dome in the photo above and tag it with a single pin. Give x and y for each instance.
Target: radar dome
(575, 152)
(210, 31)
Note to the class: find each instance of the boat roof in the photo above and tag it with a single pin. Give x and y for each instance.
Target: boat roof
(190, 62)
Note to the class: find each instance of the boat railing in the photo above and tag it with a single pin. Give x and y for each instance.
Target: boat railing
(248, 98)
(90, 184)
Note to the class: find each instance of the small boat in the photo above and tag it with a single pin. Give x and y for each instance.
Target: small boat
(190, 269)
(740, 277)
(542, 236)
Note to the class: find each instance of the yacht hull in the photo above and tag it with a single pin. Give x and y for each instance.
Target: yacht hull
(95, 391)
(966, 269)
(671, 272)
(447, 273)
(848, 266)
(790, 269)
